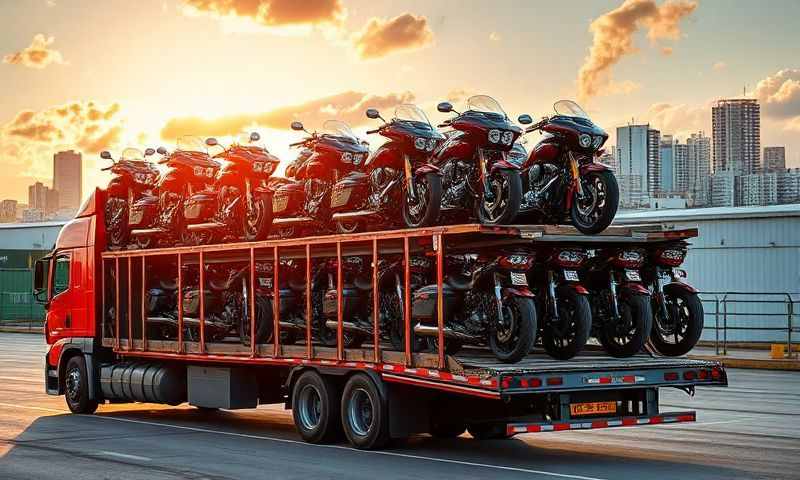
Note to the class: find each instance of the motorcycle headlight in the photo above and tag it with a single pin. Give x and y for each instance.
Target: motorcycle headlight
(508, 137)
(347, 157)
(431, 144)
(494, 136)
(585, 140)
(597, 141)
(419, 143)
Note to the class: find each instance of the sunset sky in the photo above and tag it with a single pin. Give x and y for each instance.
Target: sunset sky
(111, 74)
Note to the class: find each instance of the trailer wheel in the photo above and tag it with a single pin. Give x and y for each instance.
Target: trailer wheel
(315, 408)
(488, 431)
(364, 414)
(76, 386)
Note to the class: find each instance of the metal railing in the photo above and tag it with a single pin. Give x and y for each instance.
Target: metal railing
(721, 313)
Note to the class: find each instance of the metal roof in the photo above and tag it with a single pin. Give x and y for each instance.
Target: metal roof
(15, 226)
(713, 213)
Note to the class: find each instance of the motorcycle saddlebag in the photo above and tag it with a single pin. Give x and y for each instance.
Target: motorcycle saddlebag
(350, 301)
(349, 191)
(200, 206)
(143, 212)
(423, 302)
(159, 301)
(191, 302)
(288, 197)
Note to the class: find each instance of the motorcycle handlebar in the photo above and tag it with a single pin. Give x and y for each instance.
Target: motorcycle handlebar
(370, 132)
(297, 144)
(106, 168)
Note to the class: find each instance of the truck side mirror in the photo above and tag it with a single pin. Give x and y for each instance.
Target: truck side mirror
(40, 280)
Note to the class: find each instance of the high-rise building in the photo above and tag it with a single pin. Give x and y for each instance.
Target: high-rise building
(758, 189)
(789, 186)
(698, 168)
(681, 169)
(723, 189)
(638, 162)
(736, 132)
(37, 196)
(667, 170)
(8, 211)
(67, 178)
(774, 159)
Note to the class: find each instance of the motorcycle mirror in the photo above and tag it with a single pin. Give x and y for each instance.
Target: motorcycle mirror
(254, 137)
(445, 107)
(298, 126)
(211, 141)
(105, 155)
(148, 152)
(161, 151)
(373, 113)
(525, 119)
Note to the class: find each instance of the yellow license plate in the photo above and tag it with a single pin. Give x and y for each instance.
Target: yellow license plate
(592, 408)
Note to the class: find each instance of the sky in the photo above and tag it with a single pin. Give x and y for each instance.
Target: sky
(111, 74)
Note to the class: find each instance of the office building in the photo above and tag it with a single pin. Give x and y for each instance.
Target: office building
(698, 168)
(774, 159)
(736, 133)
(67, 179)
(37, 196)
(667, 170)
(638, 162)
(8, 211)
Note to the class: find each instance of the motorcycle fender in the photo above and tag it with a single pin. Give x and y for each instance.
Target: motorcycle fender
(517, 292)
(117, 188)
(634, 289)
(504, 165)
(672, 286)
(263, 190)
(593, 167)
(580, 289)
(427, 168)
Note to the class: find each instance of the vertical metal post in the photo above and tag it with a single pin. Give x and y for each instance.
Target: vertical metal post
(116, 300)
(339, 304)
(129, 306)
(309, 313)
(180, 303)
(103, 295)
(790, 314)
(252, 306)
(376, 312)
(276, 308)
(725, 324)
(144, 311)
(407, 300)
(716, 330)
(202, 303)
(438, 243)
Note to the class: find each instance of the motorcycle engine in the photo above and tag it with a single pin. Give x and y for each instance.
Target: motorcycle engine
(538, 177)
(455, 178)
(380, 178)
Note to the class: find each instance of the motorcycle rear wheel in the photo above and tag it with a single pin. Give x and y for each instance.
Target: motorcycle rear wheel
(429, 197)
(507, 187)
(512, 344)
(595, 214)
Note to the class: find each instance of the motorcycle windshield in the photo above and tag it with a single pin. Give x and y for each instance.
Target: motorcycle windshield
(132, 155)
(485, 104)
(411, 113)
(191, 143)
(339, 129)
(568, 108)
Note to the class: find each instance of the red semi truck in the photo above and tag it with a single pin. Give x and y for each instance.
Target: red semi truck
(105, 346)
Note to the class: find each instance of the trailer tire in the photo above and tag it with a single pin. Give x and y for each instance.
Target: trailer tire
(488, 431)
(315, 408)
(76, 386)
(365, 417)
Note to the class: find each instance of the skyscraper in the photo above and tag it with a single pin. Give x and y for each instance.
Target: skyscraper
(698, 168)
(667, 170)
(736, 132)
(638, 162)
(774, 159)
(67, 178)
(681, 167)
(37, 196)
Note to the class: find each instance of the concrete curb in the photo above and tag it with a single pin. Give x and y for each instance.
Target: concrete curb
(752, 363)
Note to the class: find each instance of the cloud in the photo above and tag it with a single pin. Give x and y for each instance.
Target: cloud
(666, 51)
(719, 65)
(679, 119)
(346, 106)
(792, 125)
(613, 34)
(272, 13)
(37, 55)
(779, 94)
(495, 37)
(380, 37)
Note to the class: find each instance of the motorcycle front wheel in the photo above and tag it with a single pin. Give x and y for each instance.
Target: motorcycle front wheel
(595, 212)
(680, 332)
(117, 231)
(257, 218)
(626, 337)
(506, 186)
(423, 211)
(513, 336)
(565, 339)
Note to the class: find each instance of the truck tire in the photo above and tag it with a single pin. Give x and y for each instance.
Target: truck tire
(315, 408)
(76, 386)
(364, 413)
(488, 431)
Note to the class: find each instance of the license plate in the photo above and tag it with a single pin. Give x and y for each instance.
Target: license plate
(519, 279)
(265, 282)
(571, 275)
(592, 408)
(633, 275)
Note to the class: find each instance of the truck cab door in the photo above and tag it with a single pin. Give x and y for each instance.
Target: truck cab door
(58, 319)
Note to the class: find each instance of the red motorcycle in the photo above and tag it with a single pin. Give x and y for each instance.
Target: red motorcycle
(564, 309)
(134, 183)
(398, 173)
(237, 206)
(677, 310)
(621, 313)
(477, 177)
(562, 179)
(303, 204)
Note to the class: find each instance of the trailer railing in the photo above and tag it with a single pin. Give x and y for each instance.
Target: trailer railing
(726, 307)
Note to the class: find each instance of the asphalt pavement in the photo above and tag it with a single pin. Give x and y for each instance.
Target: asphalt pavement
(748, 430)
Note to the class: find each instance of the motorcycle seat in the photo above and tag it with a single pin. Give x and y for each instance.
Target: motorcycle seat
(297, 285)
(363, 283)
(352, 179)
(460, 282)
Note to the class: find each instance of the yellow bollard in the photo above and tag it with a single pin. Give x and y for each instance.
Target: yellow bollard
(778, 351)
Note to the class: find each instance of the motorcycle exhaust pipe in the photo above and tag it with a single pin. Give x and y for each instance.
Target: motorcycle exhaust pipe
(333, 325)
(431, 331)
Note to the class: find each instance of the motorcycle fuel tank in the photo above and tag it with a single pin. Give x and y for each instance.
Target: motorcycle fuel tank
(544, 152)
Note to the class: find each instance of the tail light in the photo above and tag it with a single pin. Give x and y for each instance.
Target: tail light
(517, 262)
(671, 257)
(570, 258)
(630, 258)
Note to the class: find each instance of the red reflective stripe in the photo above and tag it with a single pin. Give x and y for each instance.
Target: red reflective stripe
(600, 424)
(629, 421)
(655, 420)
(423, 372)
(605, 379)
(629, 379)
(474, 380)
(560, 426)
(534, 428)
(686, 418)
(445, 376)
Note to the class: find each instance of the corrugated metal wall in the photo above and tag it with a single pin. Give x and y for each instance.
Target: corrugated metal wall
(16, 297)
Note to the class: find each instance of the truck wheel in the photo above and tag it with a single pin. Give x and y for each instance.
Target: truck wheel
(676, 335)
(447, 429)
(76, 386)
(488, 431)
(627, 337)
(364, 414)
(563, 342)
(315, 408)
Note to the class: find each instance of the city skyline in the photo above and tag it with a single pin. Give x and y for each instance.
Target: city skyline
(220, 69)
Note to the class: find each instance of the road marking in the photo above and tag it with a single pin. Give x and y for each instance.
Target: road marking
(124, 455)
(338, 447)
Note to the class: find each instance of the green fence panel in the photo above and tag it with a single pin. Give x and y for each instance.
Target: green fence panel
(16, 296)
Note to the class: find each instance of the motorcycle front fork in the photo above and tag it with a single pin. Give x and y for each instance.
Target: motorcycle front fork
(658, 295)
(552, 299)
(576, 176)
(487, 189)
(412, 191)
(612, 288)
